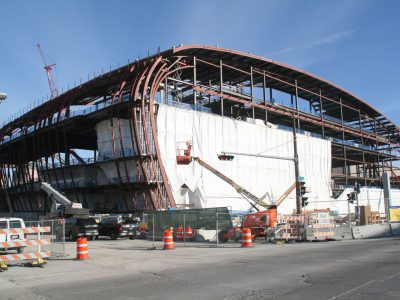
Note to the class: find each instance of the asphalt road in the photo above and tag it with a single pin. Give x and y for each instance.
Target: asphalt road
(361, 269)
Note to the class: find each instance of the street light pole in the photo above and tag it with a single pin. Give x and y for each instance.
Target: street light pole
(295, 158)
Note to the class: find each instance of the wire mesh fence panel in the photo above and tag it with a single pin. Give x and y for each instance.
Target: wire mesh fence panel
(190, 227)
(52, 240)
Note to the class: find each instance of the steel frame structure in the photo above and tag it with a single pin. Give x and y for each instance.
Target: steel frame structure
(39, 145)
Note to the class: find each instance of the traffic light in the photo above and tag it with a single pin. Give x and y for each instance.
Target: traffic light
(225, 157)
(351, 197)
(303, 192)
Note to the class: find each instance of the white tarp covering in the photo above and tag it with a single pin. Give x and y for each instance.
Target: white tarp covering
(121, 135)
(105, 133)
(210, 134)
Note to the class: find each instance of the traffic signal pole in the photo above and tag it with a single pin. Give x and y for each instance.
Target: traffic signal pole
(296, 168)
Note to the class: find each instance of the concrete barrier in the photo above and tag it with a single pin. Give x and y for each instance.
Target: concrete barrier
(342, 233)
(314, 234)
(371, 231)
(395, 228)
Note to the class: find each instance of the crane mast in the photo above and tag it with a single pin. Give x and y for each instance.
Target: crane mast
(48, 68)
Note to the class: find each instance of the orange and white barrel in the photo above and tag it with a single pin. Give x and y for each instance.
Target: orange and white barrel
(168, 240)
(188, 233)
(246, 238)
(179, 233)
(82, 250)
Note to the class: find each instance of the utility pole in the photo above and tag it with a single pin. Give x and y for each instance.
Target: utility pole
(296, 168)
(295, 159)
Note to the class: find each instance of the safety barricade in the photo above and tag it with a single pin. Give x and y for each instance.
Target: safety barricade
(24, 256)
(82, 249)
(289, 227)
(246, 238)
(319, 226)
(168, 240)
(19, 245)
(179, 234)
(188, 233)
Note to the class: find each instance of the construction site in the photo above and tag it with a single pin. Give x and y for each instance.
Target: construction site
(194, 149)
(149, 136)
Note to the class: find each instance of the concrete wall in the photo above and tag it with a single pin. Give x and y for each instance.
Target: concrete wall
(372, 231)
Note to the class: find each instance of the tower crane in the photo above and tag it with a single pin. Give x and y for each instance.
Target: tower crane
(48, 68)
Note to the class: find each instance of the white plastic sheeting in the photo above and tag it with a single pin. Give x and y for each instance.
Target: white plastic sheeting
(210, 134)
(106, 133)
(121, 135)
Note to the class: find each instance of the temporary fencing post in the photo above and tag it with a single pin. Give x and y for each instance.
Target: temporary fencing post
(184, 228)
(216, 230)
(52, 236)
(153, 233)
(63, 235)
(38, 237)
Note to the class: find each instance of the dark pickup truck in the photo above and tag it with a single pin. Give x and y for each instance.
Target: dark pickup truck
(75, 227)
(116, 227)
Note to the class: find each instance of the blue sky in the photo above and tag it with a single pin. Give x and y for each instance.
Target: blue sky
(355, 44)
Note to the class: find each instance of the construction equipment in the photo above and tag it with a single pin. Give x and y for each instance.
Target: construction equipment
(61, 206)
(260, 222)
(263, 223)
(183, 153)
(49, 68)
(252, 199)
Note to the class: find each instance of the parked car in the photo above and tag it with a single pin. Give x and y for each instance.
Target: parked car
(119, 226)
(12, 223)
(75, 227)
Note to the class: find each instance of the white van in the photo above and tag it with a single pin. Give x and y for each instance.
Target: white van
(12, 223)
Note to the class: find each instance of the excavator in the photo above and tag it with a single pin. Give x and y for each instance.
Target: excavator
(61, 206)
(260, 222)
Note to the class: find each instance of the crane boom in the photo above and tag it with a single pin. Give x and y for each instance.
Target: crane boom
(62, 206)
(285, 194)
(49, 68)
(241, 190)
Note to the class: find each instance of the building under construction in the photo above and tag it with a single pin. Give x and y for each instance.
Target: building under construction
(112, 143)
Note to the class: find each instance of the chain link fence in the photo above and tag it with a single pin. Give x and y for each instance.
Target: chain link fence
(56, 236)
(192, 228)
